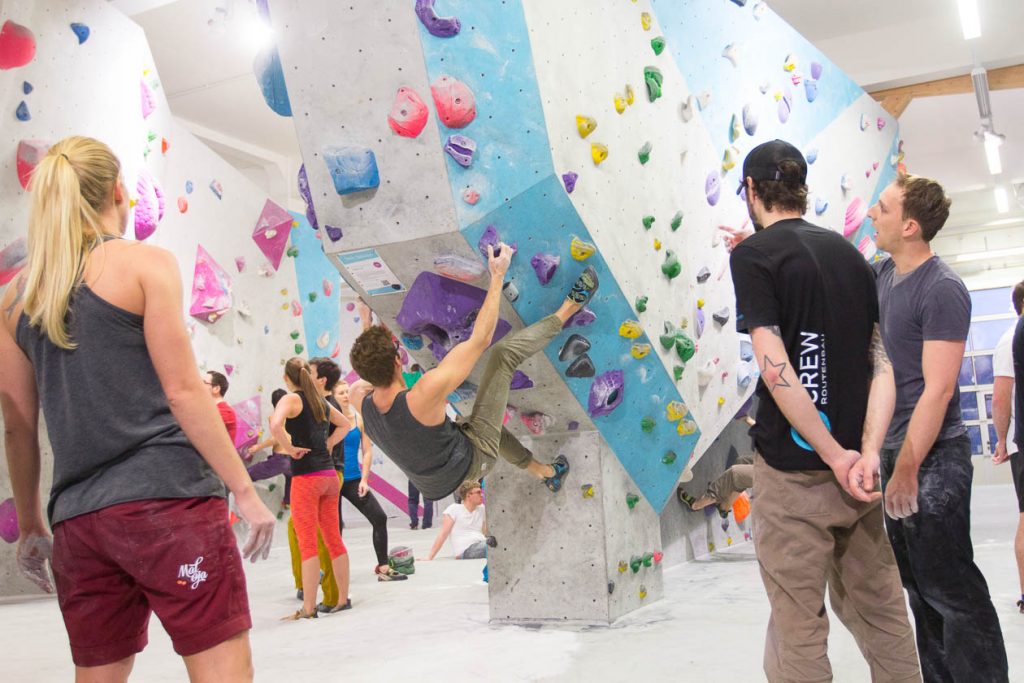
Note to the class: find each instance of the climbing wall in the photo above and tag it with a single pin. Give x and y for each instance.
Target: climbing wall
(586, 133)
(92, 73)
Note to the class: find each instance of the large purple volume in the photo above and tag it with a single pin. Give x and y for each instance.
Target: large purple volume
(606, 393)
(443, 311)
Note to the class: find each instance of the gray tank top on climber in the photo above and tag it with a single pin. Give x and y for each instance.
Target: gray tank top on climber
(113, 435)
(436, 459)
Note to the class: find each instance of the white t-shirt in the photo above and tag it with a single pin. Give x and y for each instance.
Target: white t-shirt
(468, 527)
(1002, 366)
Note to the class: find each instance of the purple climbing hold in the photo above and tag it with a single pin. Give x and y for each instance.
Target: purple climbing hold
(580, 318)
(713, 188)
(461, 149)
(545, 265)
(333, 233)
(581, 367)
(785, 105)
(443, 311)
(816, 70)
(520, 380)
(699, 322)
(307, 199)
(573, 425)
(606, 393)
(490, 237)
(570, 179)
(441, 27)
(575, 345)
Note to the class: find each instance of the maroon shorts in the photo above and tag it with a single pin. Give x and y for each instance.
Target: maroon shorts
(175, 557)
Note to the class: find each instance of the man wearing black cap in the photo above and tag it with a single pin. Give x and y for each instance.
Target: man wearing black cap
(808, 300)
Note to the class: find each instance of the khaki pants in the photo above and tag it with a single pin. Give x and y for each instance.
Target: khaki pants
(484, 426)
(809, 534)
(736, 479)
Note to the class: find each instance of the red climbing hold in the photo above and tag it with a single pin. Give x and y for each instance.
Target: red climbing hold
(17, 45)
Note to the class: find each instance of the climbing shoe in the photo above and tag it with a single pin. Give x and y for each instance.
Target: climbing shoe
(685, 498)
(561, 466)
(389, 574)
(584, 287)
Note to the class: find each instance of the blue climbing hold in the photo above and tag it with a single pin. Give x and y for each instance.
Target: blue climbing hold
(26, 87)
(353, 169)
(82, 31)
(188, 187)
(22, 112)
(270, 76)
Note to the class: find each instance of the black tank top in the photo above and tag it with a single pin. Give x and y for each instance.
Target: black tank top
(308, 433)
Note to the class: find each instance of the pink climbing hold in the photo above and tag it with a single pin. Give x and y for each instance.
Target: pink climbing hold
(408, 114)
(328, 287)
(337, 351)
(17, 45)
(211, 288)
(229, 369)
(149, 207)
(272, 231)
(30, 153)
(470, 196)
(537, 423)
(249, 418)
(880, 123)
(296, 308)
(182, 205)
(8, 519)
(240, 263)
(13, 258)
(148, 99)
(454, 101)
(856, 212)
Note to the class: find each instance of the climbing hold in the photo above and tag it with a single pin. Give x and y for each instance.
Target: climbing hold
(581, 367)
(758, 10)
(81, 31)
(408, 114)
(653, 78)
(685, 348)
(668, 458)
(704, 99)
(461, 149)
(865, 121)
(188, 187)
(623, 565)
(811, 155)
(441, 27)
(182, 205)
(620, 103)
(296, 308)
(580, 318)
(333, 233)
(510, 291)
(639, 350)
(272, 231)
(28, 156)
(211, 288)
(705, 374)
(470, 196)
(648, 559)
(630, 95)
(640, 303)
(294, 334)
(686, 109)
(585, 125)
(811, 90)
(575, 345)
(490, 238)
(676, 410)
(856, 212)
(454, 100)
(657, 245)
(699, 322)
(658, 45)
(299, 348)
(820, 205)
(587, 490)
(668, 338)
(647, 424)
(686, 427)
(845, 183)
(544, 265)
(147, 99)
(645, 20)
(149, 207)
(700, 303)
(630, 329)
(735, 128)
(729, 158)
(17, 45)
(790, 63)
(703, 274)
(413, 342)
(746, 350)
(312, 297)
(458, 267)
(785, 105)
(598, 152)
(743, 376)
(677, 220)
(749, 119)
(9, 521)
(26, 87)
(22, 112)
(648, 221)
(581, 250)
(880, 123)
(569, 179)
(721, 316)
(721, 401)
(671, 266)
(606, 392)
(631, 500)
(239, 264)
(537, 423)
(712, 188)
(353, 169)
(645, 153)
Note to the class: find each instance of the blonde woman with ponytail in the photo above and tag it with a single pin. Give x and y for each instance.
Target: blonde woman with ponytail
(93, 332)
(300, 422)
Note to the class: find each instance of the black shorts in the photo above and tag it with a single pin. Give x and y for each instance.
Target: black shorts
(1017, 467)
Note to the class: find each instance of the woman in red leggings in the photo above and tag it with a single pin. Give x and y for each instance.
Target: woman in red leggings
(300, 425)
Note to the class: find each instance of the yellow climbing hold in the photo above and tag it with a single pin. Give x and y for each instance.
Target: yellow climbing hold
(623, 566)
(284, 292)
(585, 125)
(643, 592)
(721, 401)
(630, 329)
(620, 103)
(639, 350)
(598, 152)
(657, 245)
(581, 250)
(700, 303)
(587, 490)
(645, 20)
(790, 63)
(686, 427)
(729, 159)
(630, 95)
(676, 410)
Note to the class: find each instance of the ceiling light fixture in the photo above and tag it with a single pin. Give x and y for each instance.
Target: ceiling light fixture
(969, 20)
(1002, 199)
(1001, 254)
(993, 141)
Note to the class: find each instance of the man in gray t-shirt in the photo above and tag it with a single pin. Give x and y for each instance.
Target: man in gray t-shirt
(925, 460)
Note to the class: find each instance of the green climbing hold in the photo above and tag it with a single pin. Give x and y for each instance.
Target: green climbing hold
(641, 303)
(648, 559)
(635, 562)
(292, 252)
(298, 349)
(670, 456)
(658, 45)
(677, 372)
(668, 337)
(671, 267)
(648, 222)
(647, 424)
(631, 500)
(645, 153)
(677, 220)
(294, 334)
(312, 297)
(652, 77)
(685, 347)
(271, 487)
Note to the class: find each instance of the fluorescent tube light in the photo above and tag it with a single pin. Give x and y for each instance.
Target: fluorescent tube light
(992, 144)
(969, 19)
(1002, 199)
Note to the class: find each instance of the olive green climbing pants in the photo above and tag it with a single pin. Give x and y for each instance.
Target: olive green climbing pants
(810, 535)
(484, 426)
(736, 479)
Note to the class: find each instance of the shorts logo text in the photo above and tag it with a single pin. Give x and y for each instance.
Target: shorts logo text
(191, 573)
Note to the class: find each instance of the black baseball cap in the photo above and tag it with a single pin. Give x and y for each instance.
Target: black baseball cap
(763, 162)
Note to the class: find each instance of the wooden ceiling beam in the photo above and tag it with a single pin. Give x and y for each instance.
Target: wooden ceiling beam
(896, 100)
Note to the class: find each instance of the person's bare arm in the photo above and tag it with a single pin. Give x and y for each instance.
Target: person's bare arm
(442, 536)
(864, 478)
(366, 447)
(1002, 395)
(342, 426)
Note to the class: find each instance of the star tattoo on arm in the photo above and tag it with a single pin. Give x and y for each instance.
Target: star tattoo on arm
(780, 367)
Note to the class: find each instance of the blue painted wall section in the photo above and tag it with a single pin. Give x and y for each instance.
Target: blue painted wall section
(312, 269)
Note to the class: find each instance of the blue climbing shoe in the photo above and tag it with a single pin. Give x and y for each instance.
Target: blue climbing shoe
(584, 287)
(554, 482)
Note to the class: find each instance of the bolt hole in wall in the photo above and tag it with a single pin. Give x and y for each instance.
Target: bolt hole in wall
(991, 315)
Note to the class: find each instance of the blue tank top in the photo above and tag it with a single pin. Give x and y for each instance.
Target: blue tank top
(351, 443)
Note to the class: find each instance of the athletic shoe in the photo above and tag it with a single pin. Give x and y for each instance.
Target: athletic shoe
(389, 574)
(1020, 604)
(584, 287)
(341, 608)
(414, 526)
(561, 467)
(685, 498)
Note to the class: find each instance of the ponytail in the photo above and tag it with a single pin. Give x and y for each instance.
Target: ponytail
(297, 371)
(70, 187)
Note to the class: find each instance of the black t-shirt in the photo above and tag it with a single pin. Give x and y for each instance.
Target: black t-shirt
(1018, 379)
(817, 288)
(306, 432)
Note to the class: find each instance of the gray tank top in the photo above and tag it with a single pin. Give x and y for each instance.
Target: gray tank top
(113, 435)
(436, 459)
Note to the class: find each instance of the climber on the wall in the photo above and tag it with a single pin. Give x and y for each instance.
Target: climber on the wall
(411, 425)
